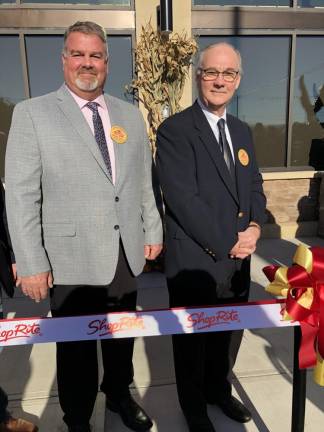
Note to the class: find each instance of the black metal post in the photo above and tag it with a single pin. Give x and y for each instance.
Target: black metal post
(299, 388)
(166, 16)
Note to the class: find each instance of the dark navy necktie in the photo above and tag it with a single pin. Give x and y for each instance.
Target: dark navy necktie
(225, 148)
(99, 134)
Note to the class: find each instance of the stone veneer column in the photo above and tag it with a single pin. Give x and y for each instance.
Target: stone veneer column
(292, 204)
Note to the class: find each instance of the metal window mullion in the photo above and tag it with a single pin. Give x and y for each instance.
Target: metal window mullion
(23, 4)
(23, 57)
(244, 32)
(295, 4)
(134, 44)
(291, 98)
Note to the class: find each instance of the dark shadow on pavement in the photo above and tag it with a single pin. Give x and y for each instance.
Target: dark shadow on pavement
(15, 369)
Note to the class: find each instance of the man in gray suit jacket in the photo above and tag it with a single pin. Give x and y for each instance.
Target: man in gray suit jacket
(83, 218)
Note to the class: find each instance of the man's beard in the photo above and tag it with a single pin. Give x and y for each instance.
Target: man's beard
(87, 85)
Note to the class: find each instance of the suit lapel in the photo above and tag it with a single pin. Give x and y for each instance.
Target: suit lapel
(208, 138)
(240, 170)
(72, 111)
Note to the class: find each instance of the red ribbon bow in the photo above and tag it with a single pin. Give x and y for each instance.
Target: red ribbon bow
(303, 286)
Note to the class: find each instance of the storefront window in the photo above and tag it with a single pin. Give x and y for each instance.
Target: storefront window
(44, 63)
(89, 2)
(308, 110)
(311, 3)
(261, 100)
(120, 66)
(243, 2)
(11, 87)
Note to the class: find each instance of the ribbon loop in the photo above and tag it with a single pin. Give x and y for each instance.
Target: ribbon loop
(302, 285)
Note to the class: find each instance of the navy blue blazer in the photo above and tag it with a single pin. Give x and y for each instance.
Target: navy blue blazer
(204, 208)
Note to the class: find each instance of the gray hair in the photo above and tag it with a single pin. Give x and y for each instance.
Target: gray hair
(203, 51)
(88, 28)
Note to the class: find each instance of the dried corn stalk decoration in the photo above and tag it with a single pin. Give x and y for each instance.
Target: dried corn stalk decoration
(162, 65)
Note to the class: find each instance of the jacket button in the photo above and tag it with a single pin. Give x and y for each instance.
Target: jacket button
(116, 199)
(116, 227)
(241, 214)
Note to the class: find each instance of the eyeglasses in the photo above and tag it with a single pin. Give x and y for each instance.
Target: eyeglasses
(212, 74)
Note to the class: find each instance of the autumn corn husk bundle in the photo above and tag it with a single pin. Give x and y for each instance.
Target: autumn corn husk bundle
(162, 65)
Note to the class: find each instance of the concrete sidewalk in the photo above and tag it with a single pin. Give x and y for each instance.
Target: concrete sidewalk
(263, 369)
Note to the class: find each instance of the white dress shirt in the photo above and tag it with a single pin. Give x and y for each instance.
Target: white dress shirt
(103, 112)
(213, 120)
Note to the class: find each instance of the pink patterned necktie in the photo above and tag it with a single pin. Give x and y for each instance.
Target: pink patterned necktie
(99, 134)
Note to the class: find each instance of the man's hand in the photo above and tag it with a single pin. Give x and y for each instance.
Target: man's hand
(152, 251)
(246, 243)
(249, 237)
(239, 251)
(37, 286)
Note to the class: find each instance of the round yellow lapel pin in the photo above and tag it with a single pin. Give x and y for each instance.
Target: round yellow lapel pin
(243, 157)
(118, 134)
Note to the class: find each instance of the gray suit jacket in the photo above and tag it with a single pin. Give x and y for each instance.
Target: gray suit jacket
(63, 210)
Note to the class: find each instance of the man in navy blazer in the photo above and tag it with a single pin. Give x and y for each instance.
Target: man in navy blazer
(214, 207)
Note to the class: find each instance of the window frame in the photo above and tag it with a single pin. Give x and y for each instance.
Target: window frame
(293, 3)
(19, 4)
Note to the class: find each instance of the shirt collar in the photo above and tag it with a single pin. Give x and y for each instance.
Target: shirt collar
(211, 116)
(83, 102)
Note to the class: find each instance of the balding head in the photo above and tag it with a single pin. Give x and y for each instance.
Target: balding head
(218, 76)
(221, 46)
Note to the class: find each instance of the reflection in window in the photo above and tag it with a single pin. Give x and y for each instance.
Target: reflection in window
(311, 3)
(45, 64)
(243, 2)
(7, 1)
(11, 87)
(261, 100)
(308, 111)
(89, 2)
(120, 66)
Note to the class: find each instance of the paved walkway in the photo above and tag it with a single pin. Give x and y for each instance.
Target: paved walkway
(263, 369)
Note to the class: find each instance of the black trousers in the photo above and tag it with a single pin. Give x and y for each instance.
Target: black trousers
(3, 395)
(3, 405)
(77, 363)
(204, 362)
